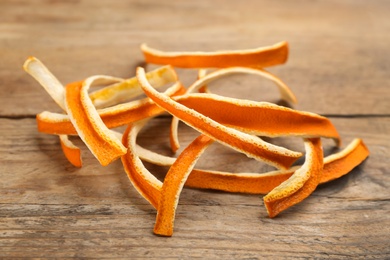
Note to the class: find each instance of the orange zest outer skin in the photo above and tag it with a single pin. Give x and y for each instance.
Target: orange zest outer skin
(339, 164)
(200, 85)
(260, 118)
(250, 145)
(72, 152)
(174, 182)
(294, 190)
(146, 184)
(98, 139)
(111, 117)
(261, 57)
(335, 166)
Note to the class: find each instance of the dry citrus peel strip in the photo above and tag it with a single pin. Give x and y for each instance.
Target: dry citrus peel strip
(335, 166)
(262, 183)
(71, 151)
(204, 79)
(339, 164)
(284, 90)
(174, 182)
(122, 114)
(301, 184)
(130, 88)
(103, 144)
(260, 118)
(252, 146)
(48, 81)
(143, 181)
(260, 57)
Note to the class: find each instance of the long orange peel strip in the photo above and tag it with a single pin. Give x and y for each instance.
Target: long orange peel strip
(335, 166)
(259, 58)
(285, 92)
(301, 184)
(48, 81)
(174, 182)
(204, 79)
(260, 118)
(55, 89)
(143, 181)
(103, 144)
(72, 152)
(114, 116)
(251, 145)
(130, 88)
(229, 121)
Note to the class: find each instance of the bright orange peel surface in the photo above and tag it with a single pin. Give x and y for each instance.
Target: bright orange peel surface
(233, 122)
(260, 57)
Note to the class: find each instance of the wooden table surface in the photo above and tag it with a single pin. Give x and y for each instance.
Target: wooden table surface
(338, 66)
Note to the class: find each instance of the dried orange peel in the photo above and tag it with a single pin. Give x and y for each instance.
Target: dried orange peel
(260, 57)
(114, 116)
(260, 118)
(174, 182)
(130, 88)
(335, 166)
(71, 151)
(301, 184)
(103, 144)
(232, 122)
(48, 81)
(204, 79)
(143, 181)
(251, 145)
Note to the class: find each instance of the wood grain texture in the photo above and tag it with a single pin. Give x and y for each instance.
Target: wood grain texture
(49, 208)
(336, 47)
(338, 66)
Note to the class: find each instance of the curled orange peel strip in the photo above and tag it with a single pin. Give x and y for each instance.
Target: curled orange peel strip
(260, 118)
(284, 90)
(260, 57)
(229, 121)
(174, 182)
(72, 152)
(251, 145)
(118, 115)
(143, 181)
(301, 184)
(204, 79)
(103, 144)
(335, 166)
(48, 81)
(339, 164)
(130, 88)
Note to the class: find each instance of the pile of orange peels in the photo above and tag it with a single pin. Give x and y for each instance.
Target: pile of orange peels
(235, 123)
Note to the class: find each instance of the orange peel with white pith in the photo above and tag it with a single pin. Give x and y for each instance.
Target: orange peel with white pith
(260, 118)
(71, 151)
(335, 166)
(174, 182)
(103, 144)
(233, 122)
(258, 58)
(129, 88)
(114, 116)
(143, 181)
(301, 184)
(204, 79)
(251, 145)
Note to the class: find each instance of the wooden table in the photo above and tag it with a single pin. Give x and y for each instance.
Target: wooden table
(338, 67)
